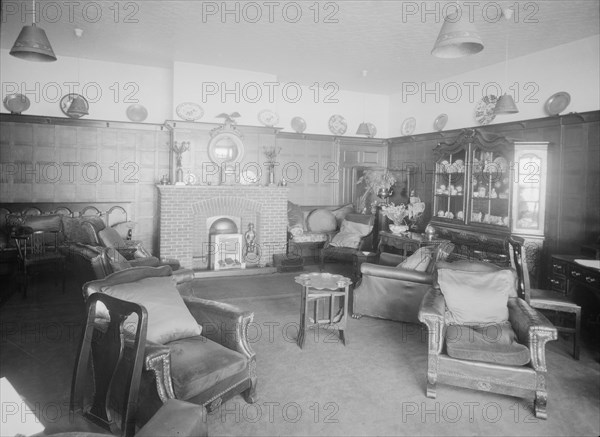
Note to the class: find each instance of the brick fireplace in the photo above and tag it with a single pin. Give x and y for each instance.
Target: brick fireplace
(185, 212)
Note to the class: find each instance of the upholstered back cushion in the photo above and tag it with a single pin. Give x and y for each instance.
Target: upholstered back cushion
(81, 230)
(168, 317)
(341, 213)
(350, 234)
(109, 237)
(418, 261)
(321, 220)
(476, 298)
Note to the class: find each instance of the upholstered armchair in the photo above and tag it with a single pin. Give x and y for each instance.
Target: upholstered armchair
(394, 288)
(482, 336)
(355, 234)
(205, 368)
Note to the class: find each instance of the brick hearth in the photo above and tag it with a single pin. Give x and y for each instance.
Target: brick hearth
(185, 209)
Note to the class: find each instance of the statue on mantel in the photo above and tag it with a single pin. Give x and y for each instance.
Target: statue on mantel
(178, 150)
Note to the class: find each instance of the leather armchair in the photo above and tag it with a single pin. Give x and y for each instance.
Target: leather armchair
(532, 330)
(392, 293)
(205, 370)
(331, 252)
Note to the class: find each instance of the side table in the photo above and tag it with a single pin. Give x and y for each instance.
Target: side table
(320, 288)
(407, 242)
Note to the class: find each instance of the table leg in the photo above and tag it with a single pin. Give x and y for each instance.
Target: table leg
(344, 317)
(303, 314)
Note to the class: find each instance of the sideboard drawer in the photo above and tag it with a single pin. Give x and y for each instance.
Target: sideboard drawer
(583, 276)
(558, 283)
(559, 267)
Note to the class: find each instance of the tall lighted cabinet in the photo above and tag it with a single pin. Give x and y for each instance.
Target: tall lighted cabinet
(487, 187)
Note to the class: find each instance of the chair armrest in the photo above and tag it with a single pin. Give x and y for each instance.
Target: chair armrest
(223, 323)
(151, 261)
(176, 418)
(395, 273)
(158, 361)
(432, 313)
(533, 330)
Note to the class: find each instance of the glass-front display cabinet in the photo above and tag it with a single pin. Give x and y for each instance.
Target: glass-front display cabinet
(487, 187)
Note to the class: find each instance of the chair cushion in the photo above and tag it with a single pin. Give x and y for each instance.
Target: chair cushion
(109, 237)
(168, 316)
(477, 297)
(198, 363)
(321, 220)
(310, 237)
(418, 261)
(341, 213)
(350, 234)
(493, 343)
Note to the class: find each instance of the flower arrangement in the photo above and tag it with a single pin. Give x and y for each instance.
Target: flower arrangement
(397, 213)
(374, 180)
(271, 153)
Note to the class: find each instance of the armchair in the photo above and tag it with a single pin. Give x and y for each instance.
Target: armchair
(512, 361)
(204, 369)
(391, 292)
(355, 235)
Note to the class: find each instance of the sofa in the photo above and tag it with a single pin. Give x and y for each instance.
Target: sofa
(310, 227)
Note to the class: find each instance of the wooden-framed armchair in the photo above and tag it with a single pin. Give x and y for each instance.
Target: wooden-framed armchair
(511, 360)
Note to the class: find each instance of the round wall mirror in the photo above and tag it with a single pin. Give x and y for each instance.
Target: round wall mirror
(225, 148)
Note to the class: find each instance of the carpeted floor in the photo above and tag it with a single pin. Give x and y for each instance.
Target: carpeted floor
(375, 385)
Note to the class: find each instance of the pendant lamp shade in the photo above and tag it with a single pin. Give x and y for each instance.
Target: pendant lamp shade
(78, 108)
(458, 38)
(32, 45)
(506, 105)
(363, 129)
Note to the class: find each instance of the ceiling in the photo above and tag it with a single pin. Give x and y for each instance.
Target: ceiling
(346, 38)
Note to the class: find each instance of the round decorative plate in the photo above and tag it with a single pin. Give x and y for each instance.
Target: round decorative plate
(298, 124)
(268, 117)
(484, 111)
(137, 112)
(189, 111)
(372, 130)
(337, 125)
(440, 122)
(16, 103)
(408, 126)
(557, 103)
(65, 105)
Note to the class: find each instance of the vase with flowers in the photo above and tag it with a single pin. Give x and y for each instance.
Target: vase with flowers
(401, 216)
(377, 182)
(271, 154)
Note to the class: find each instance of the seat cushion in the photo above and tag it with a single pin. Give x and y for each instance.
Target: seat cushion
(350, 234)
(168, 317)
(477, 297)
(198, 363)
(493, 343)
(310, 237)
(341, 213)
(321, 220)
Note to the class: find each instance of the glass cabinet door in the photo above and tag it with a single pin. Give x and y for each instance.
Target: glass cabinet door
(529, 193)
(450, 187)
(490, 188)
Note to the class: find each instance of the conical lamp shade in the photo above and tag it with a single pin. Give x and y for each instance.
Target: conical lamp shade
(33, 45)
(78, 108)
(363, 129)
(505, 105)
(458, 38)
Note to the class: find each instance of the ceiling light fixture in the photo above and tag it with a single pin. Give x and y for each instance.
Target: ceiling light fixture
(506, 103)
(32, 44)
(458, 37)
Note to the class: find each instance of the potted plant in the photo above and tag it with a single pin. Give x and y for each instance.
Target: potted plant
(377, 182)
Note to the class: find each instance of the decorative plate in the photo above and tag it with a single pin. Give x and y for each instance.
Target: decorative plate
(408, 126)
(440, 122)
(16, 103)
(137, 113)
(372, 130)
(298, 124)
(189, 111)
(268, 117)
(484, 111)
(337, 125)
(557, 103)
(501, 164)
(65, 104)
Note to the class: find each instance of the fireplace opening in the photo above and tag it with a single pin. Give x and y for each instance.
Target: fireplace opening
(225, 244)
